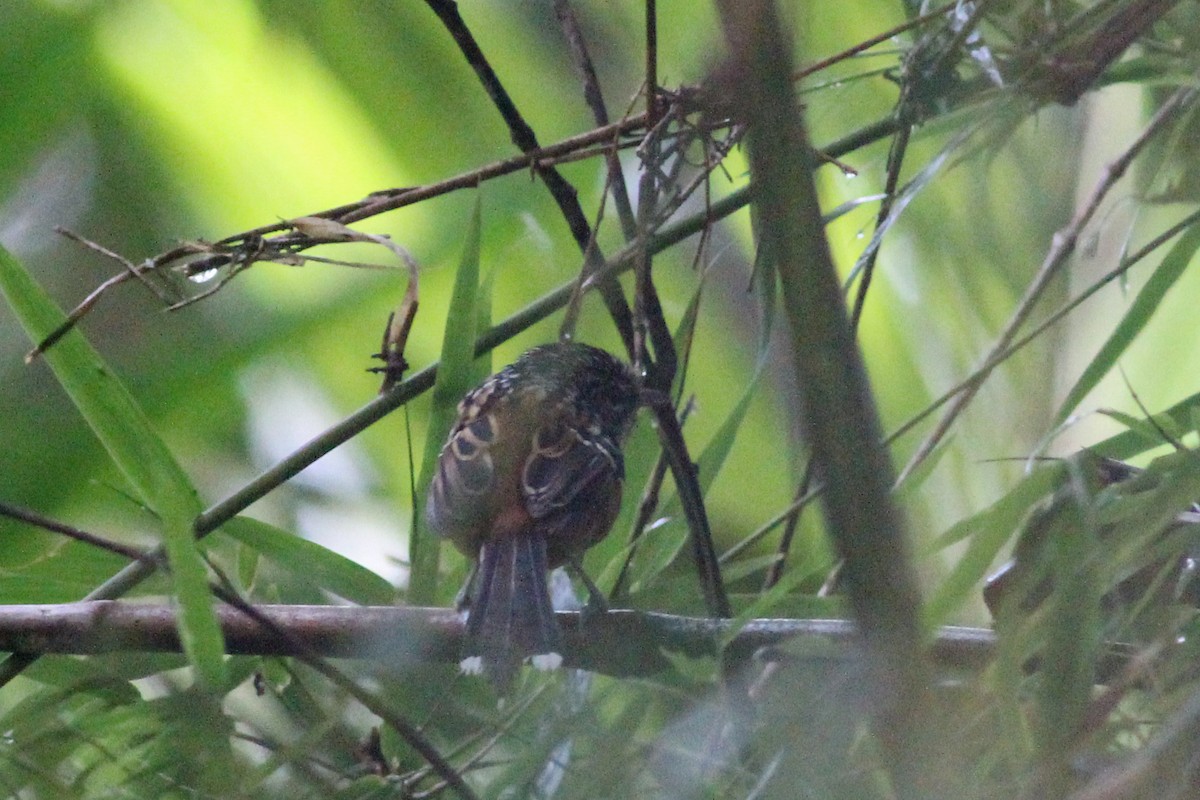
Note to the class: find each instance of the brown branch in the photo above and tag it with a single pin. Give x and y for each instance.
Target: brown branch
(606, 138)
(619, 643)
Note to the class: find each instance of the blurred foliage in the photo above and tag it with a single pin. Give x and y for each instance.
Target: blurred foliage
(143, 123)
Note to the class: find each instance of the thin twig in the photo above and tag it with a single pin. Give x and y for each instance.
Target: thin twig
(374, 204)
(653, 108)
(566, 329)
(645, 510)
(803, 491)
(895, 161)
(523, 137)
(1128, 263)
(594, 98)
(316, 661)
(917, 70)
(797, 504)
(486, 746)
(867, 44)
(692, 499)
(649, 320)
(132, 269)
(1062, 247)
(31, 517)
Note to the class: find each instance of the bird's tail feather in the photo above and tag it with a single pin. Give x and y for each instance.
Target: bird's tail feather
(510, 615)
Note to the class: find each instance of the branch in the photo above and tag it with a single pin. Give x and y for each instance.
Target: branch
(837, 412)
(522, 135)
(588, 144)
(620, 643)
(1061, 249)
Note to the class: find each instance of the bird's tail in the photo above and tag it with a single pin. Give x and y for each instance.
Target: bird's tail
(510, 616)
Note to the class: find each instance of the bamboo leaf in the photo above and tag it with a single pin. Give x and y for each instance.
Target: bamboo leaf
(1130, 443)
(319, 565)
(126, 434)
(455, 376)
(660, 548)
(1072, 626)
(985, 533)
(1135, 319)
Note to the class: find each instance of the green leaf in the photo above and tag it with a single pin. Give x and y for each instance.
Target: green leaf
(985, 533)
(455, 376)
(319, 565)
(141, 456)
(1072, 626)
(685, 335)
(766, 603)
(1127, 444)
(1165, 431)
(1135, 319)
(81, 675)
(658, 549)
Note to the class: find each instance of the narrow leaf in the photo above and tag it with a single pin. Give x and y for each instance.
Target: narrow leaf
(1072, 626)
(658, 550)
(320, 566)
(985, 533)
(454, 378)
(141, 456)
(1127, 444)
(1135, 319)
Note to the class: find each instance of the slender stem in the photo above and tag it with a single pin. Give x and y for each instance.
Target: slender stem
(838, 415)
(1056, 259)
(523, 137)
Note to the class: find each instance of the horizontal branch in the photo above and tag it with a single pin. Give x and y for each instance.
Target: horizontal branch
(618, 643)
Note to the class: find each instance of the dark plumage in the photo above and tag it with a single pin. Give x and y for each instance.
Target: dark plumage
(529, 478)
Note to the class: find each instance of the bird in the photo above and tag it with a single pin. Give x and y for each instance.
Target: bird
(529, 478)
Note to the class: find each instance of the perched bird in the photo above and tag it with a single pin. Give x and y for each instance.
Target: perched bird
(529, 478)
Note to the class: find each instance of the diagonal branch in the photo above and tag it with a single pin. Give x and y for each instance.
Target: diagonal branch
(837, 410)
(524, 138)
(1061, 249)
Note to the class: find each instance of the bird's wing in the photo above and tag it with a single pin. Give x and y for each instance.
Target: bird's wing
(466, 470)
(564, 462)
